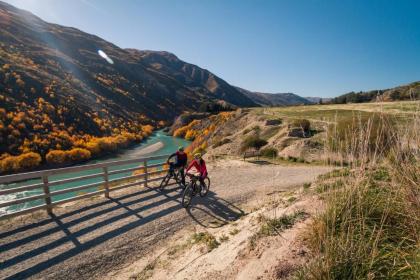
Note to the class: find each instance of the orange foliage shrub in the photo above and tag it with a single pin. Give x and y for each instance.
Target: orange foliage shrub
(148, 129)
(78, 155)
(28, 160)
(7, 164)
(190, 135)
(22, 162)
(56, 157)
(180, 132)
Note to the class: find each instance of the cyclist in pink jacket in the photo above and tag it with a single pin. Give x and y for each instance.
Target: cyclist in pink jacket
(199, 165)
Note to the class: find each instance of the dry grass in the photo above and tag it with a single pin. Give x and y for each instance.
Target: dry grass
(371, 226)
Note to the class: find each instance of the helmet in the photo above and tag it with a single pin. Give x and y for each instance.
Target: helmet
(181, 148)
(197, 155)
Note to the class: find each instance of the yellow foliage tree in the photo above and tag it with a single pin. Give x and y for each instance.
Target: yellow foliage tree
(190, 135)
(28, 161)
(78, 155)
(56, 157)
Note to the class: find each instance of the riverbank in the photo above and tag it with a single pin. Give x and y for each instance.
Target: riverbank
(147, 146)
(159, 143)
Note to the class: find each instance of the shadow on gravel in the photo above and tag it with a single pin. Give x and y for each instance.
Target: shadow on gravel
(49, 237)
(33, 248)
(260, 162)
(214, 211)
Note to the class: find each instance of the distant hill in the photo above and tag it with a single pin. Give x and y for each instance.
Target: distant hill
(274, 99)
(317, 100)
(60, 86)
(405, 92)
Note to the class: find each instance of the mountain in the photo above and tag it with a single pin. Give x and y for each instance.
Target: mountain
(317, 100)
(59, 83)
(405, 92)
(274, 99)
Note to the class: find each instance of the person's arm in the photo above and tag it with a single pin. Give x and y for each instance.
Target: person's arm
(191, 165)
(203, 169)
(171, 156)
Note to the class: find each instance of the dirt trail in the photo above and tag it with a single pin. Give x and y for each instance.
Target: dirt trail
(92, 238)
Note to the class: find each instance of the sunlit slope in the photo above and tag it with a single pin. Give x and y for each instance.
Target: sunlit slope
(61, 87)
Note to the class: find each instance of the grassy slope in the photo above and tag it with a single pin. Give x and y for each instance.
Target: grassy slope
(336, 112)
(370, 226)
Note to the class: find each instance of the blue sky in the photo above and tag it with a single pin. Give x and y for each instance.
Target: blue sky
(312, 48)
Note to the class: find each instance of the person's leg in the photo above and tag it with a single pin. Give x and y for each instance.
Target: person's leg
(171, 167)
(182, 175)
(202, 181)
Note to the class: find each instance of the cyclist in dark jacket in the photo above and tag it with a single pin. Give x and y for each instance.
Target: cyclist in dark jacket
(180, 162)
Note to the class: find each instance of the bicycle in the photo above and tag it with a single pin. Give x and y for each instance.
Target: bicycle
(174, 173)
(192, 189)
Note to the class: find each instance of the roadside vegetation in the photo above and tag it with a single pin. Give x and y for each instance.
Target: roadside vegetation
(370, 228)
(201, 131)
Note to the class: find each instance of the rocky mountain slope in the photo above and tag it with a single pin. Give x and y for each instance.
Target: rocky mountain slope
(59, 87)
(274, 99)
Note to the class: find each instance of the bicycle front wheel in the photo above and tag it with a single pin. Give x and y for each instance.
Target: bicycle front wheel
(165, 181)
(187, 196)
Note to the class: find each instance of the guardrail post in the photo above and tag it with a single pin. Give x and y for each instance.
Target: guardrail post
(145, 173)
(47, 193)
(106, 184)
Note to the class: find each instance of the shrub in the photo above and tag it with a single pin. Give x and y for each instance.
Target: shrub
(7, 164)
(304, 124)
(256, 128)
(206, 238)
(78, 155)
(22, 162)
(269, 152)
(28, 160)
(190, 135)
(253, 141)
(56, 157)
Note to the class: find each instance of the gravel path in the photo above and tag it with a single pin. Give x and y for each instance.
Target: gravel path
(93, 237)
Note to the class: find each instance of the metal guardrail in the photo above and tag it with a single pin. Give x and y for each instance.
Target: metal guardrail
(108, 184)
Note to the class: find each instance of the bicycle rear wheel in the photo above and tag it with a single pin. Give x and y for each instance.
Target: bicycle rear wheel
(205, 189)
(187, 196)
(165, 181)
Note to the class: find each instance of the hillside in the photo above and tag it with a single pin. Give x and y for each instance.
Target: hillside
(404, 92)
(62, 88)
(317, 100)
(274, 99)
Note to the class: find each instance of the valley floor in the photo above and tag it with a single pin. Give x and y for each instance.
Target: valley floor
(121, 237)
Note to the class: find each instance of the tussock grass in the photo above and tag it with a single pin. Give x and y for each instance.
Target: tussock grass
(371, 226)
(323, 187)
(205, 238)
(276, 225)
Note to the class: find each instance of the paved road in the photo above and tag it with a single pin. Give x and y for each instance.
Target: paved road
(93, 237)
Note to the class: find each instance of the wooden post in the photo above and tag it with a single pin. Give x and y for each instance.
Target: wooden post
(106, 181)
(47, 193)
(145, 173)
